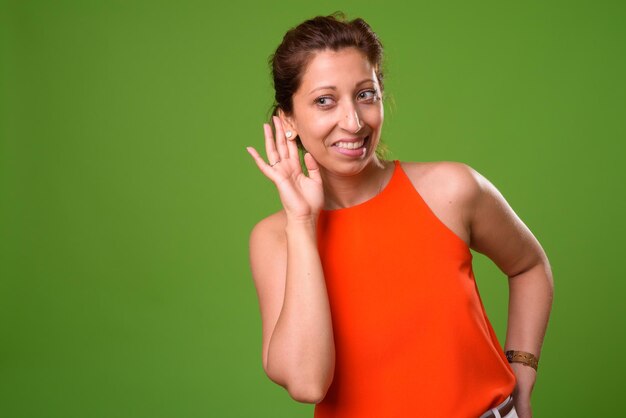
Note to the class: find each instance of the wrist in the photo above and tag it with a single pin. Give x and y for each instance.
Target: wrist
(525, 378)
(522, 357)
(298, 223)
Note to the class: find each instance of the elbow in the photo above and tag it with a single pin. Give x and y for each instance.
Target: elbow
(310, 390)
(305, 386)
(546, 271)
(307, 394)
(300, 390)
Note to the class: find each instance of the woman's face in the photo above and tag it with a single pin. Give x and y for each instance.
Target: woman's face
(338, 111)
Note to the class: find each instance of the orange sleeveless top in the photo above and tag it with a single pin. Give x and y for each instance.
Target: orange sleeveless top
(412, 338)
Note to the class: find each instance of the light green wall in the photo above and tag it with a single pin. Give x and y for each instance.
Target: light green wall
(127, 196)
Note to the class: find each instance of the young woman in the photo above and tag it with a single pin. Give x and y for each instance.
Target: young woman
(367, 296)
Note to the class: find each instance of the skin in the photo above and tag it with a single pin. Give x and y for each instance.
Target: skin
(283, 255)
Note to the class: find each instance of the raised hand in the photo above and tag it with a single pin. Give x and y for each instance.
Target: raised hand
(301, 196)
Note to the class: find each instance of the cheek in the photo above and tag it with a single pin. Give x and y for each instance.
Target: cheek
(374, 116)
(320, 125)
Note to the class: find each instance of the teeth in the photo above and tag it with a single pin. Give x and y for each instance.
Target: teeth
(350, 145)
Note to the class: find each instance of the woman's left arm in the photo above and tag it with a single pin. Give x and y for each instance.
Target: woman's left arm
(498, 233)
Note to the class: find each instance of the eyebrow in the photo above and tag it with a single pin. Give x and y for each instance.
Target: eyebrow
(335, 88)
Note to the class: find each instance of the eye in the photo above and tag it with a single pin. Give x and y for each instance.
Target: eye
(369, 95)
(323, 101)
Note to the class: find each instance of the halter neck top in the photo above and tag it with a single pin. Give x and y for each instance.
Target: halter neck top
(412, 338)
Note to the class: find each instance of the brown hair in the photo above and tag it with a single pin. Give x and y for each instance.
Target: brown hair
(319, 33)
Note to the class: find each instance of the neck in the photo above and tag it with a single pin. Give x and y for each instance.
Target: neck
(343, 191)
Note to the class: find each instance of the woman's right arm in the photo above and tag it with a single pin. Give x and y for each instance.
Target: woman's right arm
(298, 345)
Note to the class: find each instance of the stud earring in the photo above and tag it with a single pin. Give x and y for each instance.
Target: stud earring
(288, 134)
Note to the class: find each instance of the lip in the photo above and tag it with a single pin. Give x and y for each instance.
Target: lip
(353, 153)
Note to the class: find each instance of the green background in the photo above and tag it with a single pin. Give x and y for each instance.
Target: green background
(127, 195)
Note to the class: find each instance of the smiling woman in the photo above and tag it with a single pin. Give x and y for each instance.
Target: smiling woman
(291, 63)
(368, 301)
(337, 110)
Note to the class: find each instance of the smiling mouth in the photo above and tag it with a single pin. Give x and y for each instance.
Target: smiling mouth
(352, 145)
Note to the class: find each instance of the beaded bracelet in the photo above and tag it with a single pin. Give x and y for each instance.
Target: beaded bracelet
(523, 357)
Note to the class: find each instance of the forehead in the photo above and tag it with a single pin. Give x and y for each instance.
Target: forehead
(328, 67)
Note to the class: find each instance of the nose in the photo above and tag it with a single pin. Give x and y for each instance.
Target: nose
(351, 121)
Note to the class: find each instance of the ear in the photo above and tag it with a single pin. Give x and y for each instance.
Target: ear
(289, 124)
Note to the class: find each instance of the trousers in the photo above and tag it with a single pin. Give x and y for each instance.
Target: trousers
(512, 414)
(493, 412)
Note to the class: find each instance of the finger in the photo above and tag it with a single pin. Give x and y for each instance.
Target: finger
(312, 167)
(270, 146)
(263, 166)
(293, 152)
(280, 138)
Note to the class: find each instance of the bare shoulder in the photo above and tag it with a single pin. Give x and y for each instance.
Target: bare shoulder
(268, 241)
(473, 208)
(452, 176)
(449, 188)
(270, 227)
